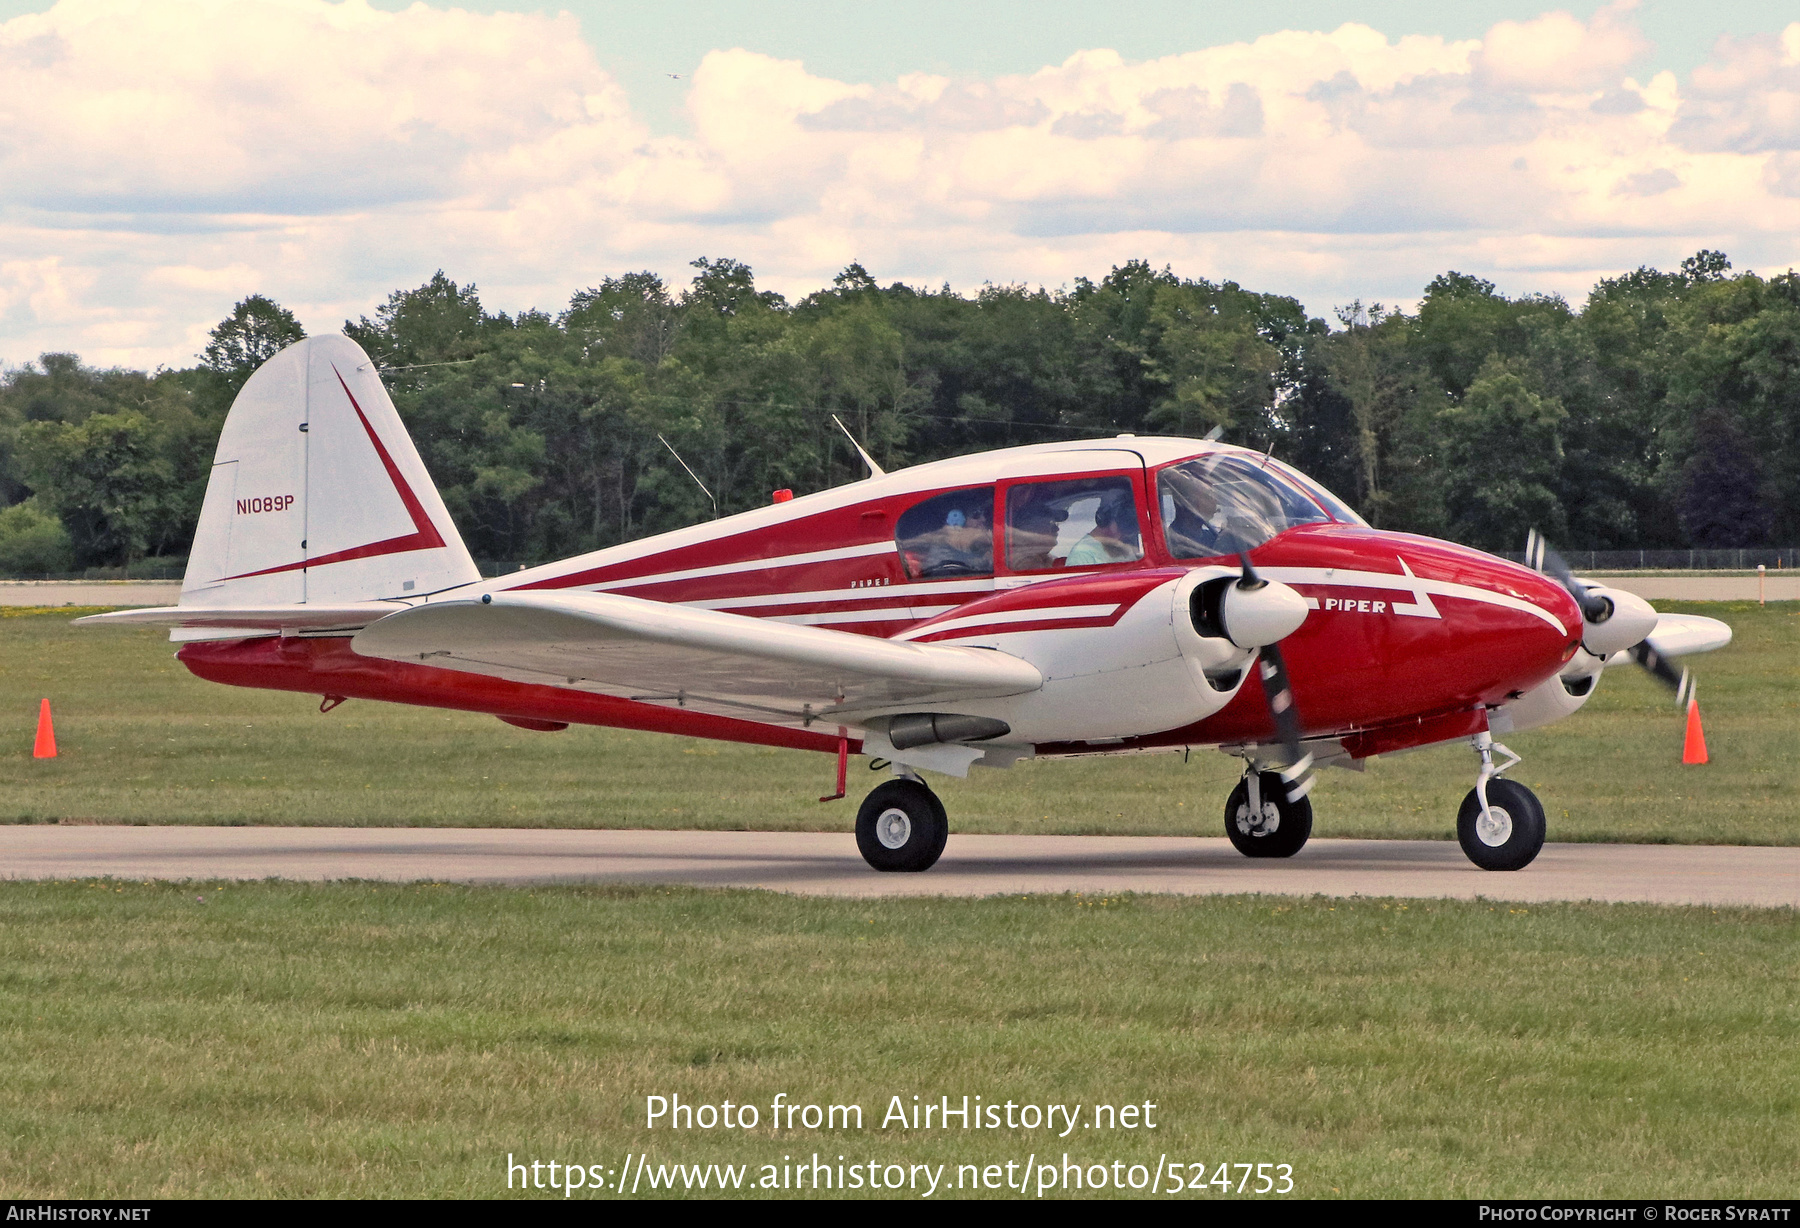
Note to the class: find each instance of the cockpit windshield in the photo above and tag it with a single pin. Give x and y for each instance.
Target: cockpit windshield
(1339, 510)
(1224, 503)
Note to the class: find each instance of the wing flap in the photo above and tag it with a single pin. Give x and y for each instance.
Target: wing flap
(709, 660)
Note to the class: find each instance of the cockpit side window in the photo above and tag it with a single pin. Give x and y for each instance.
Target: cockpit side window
(948, 535)
(1222, 504)
(1085, 522)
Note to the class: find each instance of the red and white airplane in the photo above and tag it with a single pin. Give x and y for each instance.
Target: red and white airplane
(1109, 596)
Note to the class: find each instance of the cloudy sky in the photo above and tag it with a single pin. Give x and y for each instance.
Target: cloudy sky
(160, 159)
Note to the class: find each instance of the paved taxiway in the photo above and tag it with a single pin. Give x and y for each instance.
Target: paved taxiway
(828, 863)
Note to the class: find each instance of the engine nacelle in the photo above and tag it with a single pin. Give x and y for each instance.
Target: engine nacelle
(1552, 699)
(1148, 672)
(1628, 619)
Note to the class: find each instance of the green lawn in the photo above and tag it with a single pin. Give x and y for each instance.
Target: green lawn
(362, 1040)
(143, 741)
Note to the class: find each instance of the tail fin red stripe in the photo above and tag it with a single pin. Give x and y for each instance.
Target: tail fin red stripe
(424, 536)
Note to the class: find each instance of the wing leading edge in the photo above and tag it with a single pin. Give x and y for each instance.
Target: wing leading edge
(707, 660)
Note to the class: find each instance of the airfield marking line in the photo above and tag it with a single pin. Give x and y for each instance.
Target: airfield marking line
(827, 863)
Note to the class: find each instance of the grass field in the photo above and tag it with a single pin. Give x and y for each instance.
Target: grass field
(364, 1040)
(143, 741)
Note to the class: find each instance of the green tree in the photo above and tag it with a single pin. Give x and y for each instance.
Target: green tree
(1721, 500)
(106, 476)
(33, 542)
(257, 329)
(120, 457)
(1503, 445)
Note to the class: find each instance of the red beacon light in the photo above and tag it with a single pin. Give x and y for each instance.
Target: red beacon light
(784, 496)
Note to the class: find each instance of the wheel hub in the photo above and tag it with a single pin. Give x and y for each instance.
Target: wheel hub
(1265, 825)
(893, 828)
(1495, 827)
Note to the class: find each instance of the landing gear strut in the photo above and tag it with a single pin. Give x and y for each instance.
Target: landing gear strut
(902, 826)
(1260, 819)
(1501, 823)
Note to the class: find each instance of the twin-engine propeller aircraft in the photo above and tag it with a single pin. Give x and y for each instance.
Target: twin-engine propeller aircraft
(1099, 597)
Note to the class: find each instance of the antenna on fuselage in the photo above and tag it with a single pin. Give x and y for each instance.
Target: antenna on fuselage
(691, 474)
(875, 471)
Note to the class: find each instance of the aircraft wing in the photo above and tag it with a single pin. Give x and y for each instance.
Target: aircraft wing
(1680, 635)
(707, 660)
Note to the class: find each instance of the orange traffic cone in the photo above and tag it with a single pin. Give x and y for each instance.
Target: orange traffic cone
(1693, 750)
(45, 746)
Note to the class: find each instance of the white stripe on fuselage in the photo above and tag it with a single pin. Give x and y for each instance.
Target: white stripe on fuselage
(1422, 590)
(1042, 614)
(1420, 607)
(726, 569)
(889, 614)
(877, 592)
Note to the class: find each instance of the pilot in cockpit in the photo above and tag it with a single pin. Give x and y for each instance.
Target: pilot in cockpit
(1192, 518)
(962, 545)
(1114, 537)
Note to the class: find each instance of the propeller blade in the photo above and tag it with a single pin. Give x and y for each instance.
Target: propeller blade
(1541, 558)
(1298, 773)
(1660, 669)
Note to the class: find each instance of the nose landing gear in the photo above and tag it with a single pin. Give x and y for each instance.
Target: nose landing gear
(1500, 824)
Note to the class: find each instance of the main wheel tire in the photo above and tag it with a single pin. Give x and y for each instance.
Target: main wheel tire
(1284, 827)
(902, 827)
(1512, 832)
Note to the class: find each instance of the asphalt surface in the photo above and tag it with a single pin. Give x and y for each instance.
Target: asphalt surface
(828, 864)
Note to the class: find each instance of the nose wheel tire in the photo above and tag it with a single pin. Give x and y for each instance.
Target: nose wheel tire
(902, 827)
(1281, 830)
(1509, 835)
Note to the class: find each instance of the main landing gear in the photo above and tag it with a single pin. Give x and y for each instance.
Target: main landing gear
(1261, 819)
(902, 826)
(1501, 823)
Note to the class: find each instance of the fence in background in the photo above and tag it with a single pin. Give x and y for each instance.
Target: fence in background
(1743, 559)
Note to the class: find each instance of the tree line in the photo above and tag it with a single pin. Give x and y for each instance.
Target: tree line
(1664, 411)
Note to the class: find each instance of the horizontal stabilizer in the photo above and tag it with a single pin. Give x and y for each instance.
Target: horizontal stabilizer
(266, 618)
(707, 660)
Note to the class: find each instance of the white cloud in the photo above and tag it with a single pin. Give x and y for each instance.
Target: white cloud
(1747, 98)
(1556, 53)
(158, 161)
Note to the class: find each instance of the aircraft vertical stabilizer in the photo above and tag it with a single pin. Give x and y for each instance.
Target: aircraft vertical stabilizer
(317, 494)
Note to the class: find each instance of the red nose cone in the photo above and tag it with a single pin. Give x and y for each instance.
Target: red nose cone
(1452, 629)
